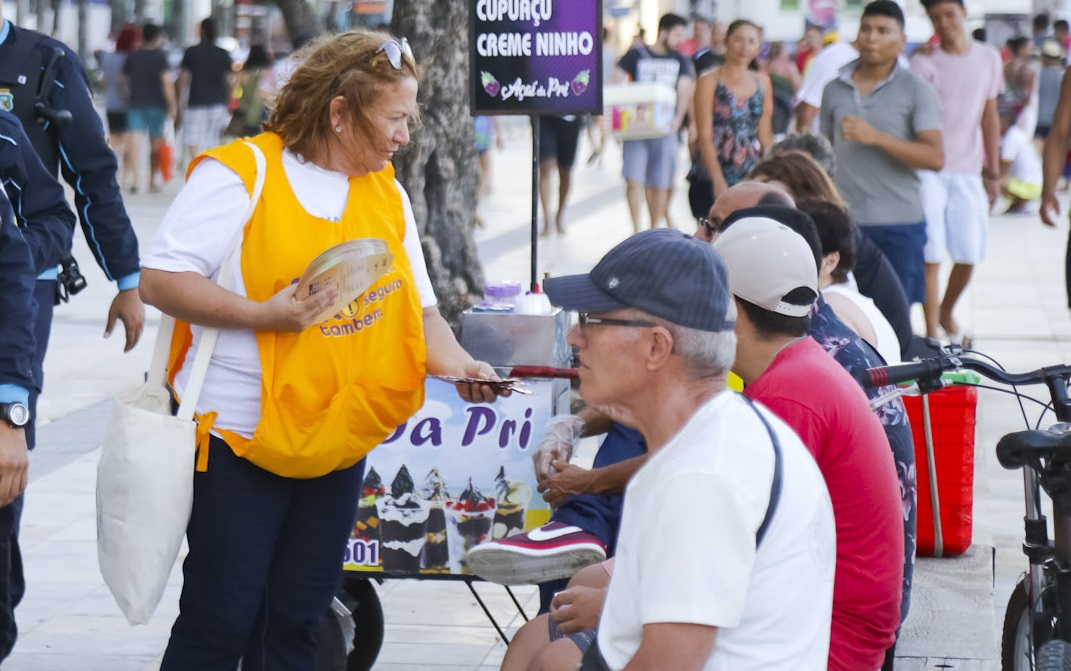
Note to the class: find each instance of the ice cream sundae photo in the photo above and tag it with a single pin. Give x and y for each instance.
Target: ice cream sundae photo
(513, 497)
(468, 523)
(403, 518)
(436, 554)
(367, 525)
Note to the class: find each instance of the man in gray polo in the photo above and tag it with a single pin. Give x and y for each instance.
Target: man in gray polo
(885, 125)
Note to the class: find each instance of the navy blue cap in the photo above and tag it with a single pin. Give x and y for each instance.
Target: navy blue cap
(662, 272)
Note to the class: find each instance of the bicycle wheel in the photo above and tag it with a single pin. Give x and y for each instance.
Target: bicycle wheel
(1017, 642)
(1055, 656)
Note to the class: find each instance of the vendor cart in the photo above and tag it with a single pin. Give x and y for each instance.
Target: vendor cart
(455, 475)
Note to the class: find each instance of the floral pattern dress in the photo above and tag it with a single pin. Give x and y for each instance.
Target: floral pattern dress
(855, 355)
(736, 134)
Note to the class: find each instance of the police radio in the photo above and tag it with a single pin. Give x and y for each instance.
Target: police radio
(70, 280)
(45, 113)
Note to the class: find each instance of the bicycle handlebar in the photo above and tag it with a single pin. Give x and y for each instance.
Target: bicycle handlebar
(927, 369)
(928, 372)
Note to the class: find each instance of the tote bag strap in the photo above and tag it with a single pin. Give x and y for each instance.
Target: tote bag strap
(158, 366)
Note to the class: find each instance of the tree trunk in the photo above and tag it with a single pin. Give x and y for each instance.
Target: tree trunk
(300, 19)
(57, 6)
(119, 15)
(439, 168)
(175, 25)
(83, 30)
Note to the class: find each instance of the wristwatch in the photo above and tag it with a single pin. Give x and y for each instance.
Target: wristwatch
(16, 414)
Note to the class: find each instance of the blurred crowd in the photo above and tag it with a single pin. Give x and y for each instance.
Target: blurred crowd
(183, 101)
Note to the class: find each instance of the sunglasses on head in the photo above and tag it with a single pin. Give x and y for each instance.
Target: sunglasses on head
(395, 50)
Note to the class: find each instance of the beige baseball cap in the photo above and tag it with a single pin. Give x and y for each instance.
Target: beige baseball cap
(767, 261)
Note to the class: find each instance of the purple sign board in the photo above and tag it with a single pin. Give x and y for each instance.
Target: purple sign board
(540, 57)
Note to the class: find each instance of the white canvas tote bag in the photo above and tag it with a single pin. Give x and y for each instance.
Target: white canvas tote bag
(145, 474)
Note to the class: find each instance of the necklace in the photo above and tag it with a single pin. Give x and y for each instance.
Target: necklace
(787, 345)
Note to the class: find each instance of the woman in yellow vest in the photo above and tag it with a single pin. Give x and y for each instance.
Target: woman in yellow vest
(290, 404)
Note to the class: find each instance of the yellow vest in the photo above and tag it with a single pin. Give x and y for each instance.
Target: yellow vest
(334, 391)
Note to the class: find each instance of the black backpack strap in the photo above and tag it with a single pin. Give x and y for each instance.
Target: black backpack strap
(775, 486)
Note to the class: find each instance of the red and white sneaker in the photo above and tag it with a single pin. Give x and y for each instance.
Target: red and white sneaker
(552, 552)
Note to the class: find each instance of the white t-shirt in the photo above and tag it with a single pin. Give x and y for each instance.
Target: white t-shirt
(1019, 149)
(686, 549)
(888, 346)
(823, 69)
(201, 227)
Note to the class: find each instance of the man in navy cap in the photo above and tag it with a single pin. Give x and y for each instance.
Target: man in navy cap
(726, 541)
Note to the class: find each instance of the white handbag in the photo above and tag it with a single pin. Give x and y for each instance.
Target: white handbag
(145, 474)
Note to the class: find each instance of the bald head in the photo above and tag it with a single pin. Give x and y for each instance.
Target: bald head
(744, 195)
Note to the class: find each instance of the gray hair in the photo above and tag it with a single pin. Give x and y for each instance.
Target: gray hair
(706, 354)
(815, 146)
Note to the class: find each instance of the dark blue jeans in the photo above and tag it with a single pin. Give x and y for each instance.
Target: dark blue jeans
(265, 562)
(12, 582)
(597, 514)
(11, 579)
(903, 245)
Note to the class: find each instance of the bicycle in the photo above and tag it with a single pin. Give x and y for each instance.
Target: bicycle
(1036, 635)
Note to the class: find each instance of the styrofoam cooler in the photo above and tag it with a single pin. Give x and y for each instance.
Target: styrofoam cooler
(638, 111)
(951, 414)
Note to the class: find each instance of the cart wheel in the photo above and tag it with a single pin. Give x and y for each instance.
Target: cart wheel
(331, 643)
(360, 596)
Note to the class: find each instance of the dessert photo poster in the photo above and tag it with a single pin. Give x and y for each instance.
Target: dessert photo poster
(453, 476)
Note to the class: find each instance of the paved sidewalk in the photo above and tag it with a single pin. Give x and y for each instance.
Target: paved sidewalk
(1016, 311)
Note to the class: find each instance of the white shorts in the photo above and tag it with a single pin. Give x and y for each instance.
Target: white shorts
(202, 127)
(956, 208)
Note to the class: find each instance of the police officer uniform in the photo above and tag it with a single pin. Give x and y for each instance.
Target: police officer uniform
(41, 209)
(17, 351)
(78, 150)
(35, 69)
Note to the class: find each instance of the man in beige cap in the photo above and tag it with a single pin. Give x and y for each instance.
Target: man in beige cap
(774, 281)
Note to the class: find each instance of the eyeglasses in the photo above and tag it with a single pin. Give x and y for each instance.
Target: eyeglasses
(711, 227)
(395, 49)
(585, 320)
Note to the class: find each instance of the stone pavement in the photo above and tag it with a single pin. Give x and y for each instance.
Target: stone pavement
(1016, 312)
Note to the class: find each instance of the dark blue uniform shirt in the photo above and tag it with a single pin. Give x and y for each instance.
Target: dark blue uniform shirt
(79, 149)
(38, 200)
(18, 311)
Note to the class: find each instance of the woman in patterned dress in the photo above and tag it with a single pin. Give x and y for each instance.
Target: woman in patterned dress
(733, 109)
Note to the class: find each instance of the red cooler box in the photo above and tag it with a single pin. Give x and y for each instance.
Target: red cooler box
(952, 420)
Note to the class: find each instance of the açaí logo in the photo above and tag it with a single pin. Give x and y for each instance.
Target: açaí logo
(490, 84)
(492, 87)
(580, 82)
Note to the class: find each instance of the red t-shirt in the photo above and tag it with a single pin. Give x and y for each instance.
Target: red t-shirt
(809, 390)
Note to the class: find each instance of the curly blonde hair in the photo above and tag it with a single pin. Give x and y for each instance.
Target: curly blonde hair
(352, 65)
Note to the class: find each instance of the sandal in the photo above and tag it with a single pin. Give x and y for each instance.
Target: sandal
(961, 339)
